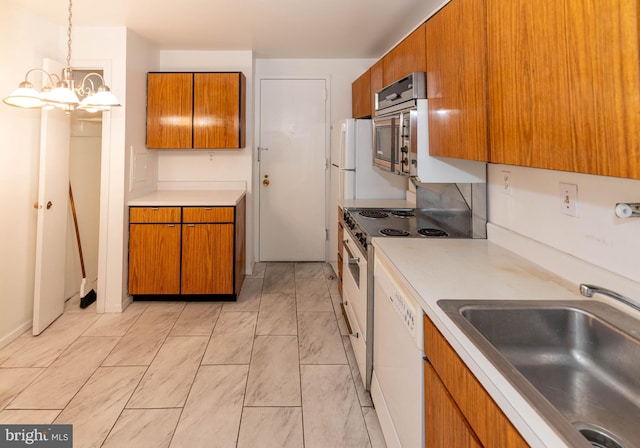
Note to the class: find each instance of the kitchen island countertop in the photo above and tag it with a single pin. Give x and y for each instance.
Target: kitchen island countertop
(194, 198)
(432, 269)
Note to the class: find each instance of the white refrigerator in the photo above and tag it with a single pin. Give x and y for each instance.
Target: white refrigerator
(353, 175)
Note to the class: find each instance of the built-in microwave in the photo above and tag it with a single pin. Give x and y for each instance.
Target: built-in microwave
(395, 124)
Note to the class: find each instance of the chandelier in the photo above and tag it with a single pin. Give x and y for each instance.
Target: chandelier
(61, 91)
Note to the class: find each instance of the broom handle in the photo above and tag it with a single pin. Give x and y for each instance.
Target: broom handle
(75, 223)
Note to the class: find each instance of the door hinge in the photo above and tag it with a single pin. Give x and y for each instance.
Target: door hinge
(326, 234)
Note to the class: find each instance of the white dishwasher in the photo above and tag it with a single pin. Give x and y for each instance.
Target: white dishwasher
(397, 387)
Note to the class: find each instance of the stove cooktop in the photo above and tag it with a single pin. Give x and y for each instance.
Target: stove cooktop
(411, 222)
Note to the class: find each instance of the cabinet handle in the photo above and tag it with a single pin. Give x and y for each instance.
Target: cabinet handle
(355, 335)
(208, 208)
(191, 225)
(155, 209)
(171, 225)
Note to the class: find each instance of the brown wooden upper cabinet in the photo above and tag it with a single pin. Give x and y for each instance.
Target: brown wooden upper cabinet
(196, 110)
(457, 81)
(361, 96)
(564, 83)
(406, 57)
(377, 84)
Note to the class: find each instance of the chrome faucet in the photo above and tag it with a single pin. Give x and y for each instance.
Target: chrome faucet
(590, 290)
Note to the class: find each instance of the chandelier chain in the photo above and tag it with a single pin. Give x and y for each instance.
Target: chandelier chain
(69, 37)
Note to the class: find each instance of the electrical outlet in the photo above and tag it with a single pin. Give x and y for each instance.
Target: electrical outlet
(506, 182)
(569, 199)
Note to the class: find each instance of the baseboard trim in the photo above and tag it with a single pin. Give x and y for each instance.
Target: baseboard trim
(12, 336)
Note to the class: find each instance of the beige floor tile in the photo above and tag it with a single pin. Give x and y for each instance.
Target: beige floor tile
(277, 315)
(211, 416)
(232, 339)
(309, 270)
(163, 307)
(145, 337)
(29, 416)
(274, 377)
(143, 428)
(14, 346)
(332, 414)
(258, 270)
(116, 324)
(373, 428)
(328, 270)
(320, 340)
(97, 406)
(279, 278)
(167, 382)
(42, 350)
(249, 298)
(15, 380)
(197, 319)
(271, 428)
(363, 396)
(57, 385)
(312, 295)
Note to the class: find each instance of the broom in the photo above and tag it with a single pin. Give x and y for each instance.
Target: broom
(90, 297)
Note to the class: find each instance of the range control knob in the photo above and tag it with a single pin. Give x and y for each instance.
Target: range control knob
(404, 149)
(405, 161)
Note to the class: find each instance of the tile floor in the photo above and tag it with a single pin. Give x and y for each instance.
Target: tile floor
(274, 369)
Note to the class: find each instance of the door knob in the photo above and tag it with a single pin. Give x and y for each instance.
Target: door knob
(265, 182)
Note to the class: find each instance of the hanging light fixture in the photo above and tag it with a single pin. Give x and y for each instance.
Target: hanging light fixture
(61, 92)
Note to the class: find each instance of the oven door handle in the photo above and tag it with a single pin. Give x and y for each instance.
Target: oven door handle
(350, 259)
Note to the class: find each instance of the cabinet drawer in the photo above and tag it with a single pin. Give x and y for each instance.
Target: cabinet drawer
(154, 214)
(207, 214)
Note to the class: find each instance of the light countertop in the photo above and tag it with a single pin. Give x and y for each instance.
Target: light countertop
(431, 270)
(187, 198)
(376, 203)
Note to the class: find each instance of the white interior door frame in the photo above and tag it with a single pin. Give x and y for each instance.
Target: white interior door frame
(257, 131)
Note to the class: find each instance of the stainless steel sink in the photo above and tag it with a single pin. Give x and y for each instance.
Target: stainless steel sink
(576, 362)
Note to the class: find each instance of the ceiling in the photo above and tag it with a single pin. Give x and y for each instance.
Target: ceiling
(269, 28)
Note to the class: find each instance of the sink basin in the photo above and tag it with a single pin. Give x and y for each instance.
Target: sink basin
(576, 362)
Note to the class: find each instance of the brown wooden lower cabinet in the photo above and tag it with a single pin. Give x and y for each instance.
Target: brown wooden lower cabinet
(199, 252)
(445, 426)
(465, 414)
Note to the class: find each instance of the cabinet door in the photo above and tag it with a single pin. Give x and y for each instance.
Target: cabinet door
(376, 83)
(169, 110)
(564, 78)
(488, 421)
(411, 54)
(444, 424)
(207, 259)
(219, 110)
(457, 80)
(154, 259)
(361, 96)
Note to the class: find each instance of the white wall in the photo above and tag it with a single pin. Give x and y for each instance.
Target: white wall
(20, 50)
(218, 165)
(596, 235)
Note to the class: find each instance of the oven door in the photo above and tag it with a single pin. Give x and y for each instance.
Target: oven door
(386, 139)
(355, 300)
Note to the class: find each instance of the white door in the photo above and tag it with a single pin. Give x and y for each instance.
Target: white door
(53, 200)
(293, 129)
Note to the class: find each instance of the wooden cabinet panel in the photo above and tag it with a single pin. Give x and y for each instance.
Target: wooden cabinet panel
(196, 110)
(457, 81)
(444, 424)
(563, 83)
(169, 110)
(154, 259)
(207, 259)
(487, 420)
(240, 243)
(361, 96)
(377, 83)
(218, 110)
(207, 214)
(154, 214)
(407, 57)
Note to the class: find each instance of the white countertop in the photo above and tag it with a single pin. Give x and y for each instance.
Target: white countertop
(196, 198)
(432, 270)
